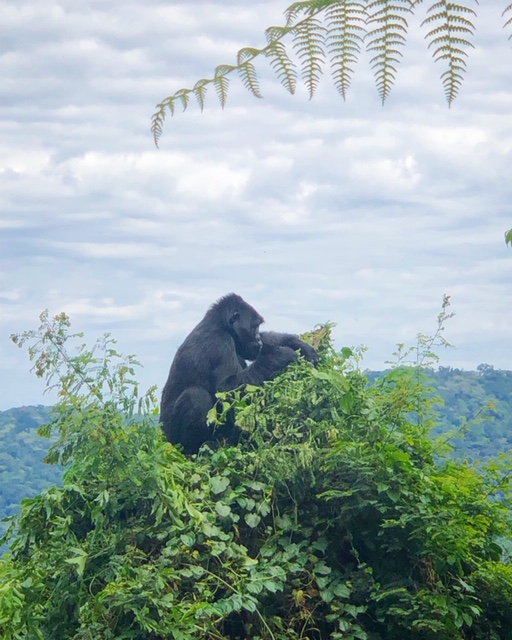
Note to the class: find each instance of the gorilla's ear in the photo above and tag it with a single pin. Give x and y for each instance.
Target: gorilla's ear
(235, 316)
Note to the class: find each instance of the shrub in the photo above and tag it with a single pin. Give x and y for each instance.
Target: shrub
(337, 517)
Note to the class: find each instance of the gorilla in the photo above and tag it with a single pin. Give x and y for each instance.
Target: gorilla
(213, 358)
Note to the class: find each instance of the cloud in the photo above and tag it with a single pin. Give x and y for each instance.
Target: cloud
(312, 210)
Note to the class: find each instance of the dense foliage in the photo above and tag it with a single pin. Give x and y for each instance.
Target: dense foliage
(337, 517)
(475, 414)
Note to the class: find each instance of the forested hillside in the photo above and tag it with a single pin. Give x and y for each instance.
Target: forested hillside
(475, 409)
(23, 473)
(477, 414)
(478, 406)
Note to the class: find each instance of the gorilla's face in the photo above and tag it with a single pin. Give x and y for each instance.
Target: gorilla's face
(245, 329)
(250, 346)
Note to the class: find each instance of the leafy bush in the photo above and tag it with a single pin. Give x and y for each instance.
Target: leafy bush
(337, 517)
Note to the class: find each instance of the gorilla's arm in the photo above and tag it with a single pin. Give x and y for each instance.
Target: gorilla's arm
(290, 340)
(278, 351)
(272, 361)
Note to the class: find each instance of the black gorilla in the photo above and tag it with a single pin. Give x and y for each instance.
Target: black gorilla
(213, 358)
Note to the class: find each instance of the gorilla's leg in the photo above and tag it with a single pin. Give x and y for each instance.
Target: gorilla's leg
(187, 425)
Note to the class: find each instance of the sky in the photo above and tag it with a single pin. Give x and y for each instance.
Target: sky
(312, 210)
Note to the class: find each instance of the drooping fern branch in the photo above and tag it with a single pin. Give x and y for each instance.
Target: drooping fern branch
(335, 31)
(339, 39)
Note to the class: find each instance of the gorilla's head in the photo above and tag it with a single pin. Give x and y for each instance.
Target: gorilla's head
(243, 323)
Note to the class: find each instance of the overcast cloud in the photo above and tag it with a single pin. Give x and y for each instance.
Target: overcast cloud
(312, 210)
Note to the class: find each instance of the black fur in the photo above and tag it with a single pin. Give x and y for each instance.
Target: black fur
(213, 358)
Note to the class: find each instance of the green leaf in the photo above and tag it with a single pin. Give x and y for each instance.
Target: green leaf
(252, 519)
(219, 484)
(222, 509)
(188, 539)
(79, 560)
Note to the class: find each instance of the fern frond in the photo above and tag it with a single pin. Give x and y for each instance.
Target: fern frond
(200, 91)
(221, 82)
(509, 21)
(309, 45)
(386, 39)
(449, 38)
(337, 29)
(283, 66)
(346, 31)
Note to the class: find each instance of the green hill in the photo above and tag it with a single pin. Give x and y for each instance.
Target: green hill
(478, 404)
(23, 474)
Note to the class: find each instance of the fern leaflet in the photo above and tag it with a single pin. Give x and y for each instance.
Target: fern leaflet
(309, 44)
(509, 21)
(200, 91)
(283, 67)
(183, 95)
(221, 82)
(346, 30)
(158, 118)
(247, 70)
(273, 34)
(450, 39)
(249, 78)
(306, 7)
(388, 34)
